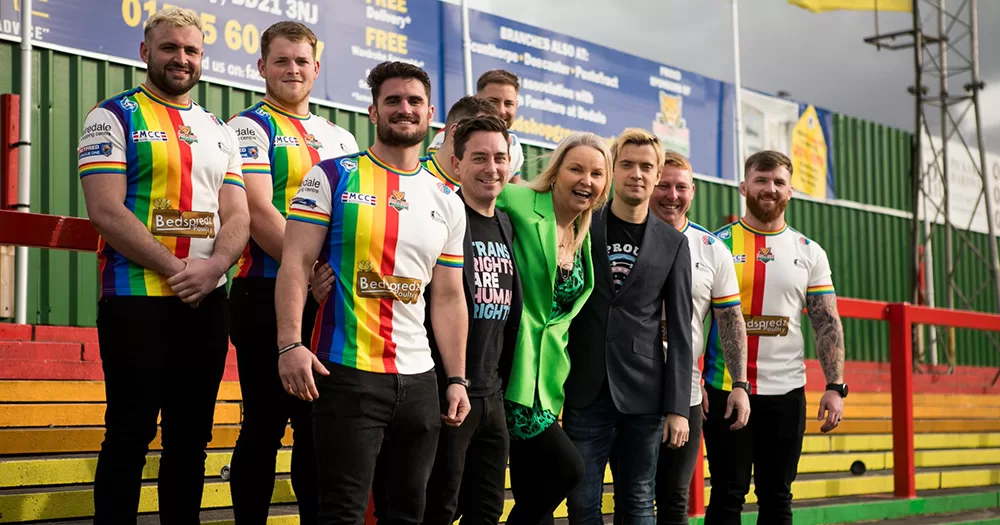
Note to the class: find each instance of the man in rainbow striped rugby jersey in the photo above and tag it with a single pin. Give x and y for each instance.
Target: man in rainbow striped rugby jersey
(280, 140)
(780, 272)
(164, 188)
(387, 228)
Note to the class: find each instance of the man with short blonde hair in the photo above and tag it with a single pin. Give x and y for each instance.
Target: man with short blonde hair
(164, 187)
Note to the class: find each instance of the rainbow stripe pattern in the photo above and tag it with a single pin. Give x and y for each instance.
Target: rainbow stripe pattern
(430, 163)
(726, 302)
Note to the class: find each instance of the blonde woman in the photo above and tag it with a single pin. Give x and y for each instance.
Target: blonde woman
(551, 216)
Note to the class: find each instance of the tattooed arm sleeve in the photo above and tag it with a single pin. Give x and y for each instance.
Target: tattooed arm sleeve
(829, 335)
(733, 338)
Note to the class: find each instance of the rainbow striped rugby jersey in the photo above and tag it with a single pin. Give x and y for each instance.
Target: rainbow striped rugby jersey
(430, 163)
(776, 272)
(175, 160)
(386, 231)
(516, 153)
(713, 284)
(282, 146)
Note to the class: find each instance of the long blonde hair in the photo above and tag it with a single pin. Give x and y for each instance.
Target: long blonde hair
(546, 179)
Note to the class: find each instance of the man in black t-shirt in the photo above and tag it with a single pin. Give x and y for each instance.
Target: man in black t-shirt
(469, 472)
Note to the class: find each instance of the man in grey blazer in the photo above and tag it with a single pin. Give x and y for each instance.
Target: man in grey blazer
(623, 395)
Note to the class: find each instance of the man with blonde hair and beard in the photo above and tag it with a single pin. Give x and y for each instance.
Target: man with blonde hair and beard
(780, 272)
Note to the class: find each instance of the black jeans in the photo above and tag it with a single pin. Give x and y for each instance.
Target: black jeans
(160, 356)
(469, 472)
(770, 445)
(360, 416)
(673, 473)
(543, 471)
(267, 408)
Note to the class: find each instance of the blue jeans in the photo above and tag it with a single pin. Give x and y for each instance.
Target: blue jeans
(597, 431)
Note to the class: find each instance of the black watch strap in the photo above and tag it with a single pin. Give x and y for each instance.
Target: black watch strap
(745, 385)
(840, 388)
(455, 380)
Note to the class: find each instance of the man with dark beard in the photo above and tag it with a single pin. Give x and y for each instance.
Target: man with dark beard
(164, 188)
(280, 140)
(387, 228)
(780, 272)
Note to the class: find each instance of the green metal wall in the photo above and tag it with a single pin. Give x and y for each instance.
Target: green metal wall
(868, 250)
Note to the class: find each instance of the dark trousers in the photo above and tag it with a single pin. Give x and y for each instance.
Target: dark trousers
(160, 357)
(267, 408)
(360, 416)
(674, 471)
(770, 446)
(599, 430)
(543, 471)
(469, 471)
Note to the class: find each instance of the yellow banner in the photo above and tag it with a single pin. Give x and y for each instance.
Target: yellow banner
(809, 155)
(822, 6)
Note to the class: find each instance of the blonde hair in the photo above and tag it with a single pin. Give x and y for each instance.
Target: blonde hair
(173, 17)
(546, 179)
(672, 158)
(637, 137)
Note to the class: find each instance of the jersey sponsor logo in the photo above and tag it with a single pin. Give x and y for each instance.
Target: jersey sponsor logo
(701, 267)
(223, 147)
(249, 152)
(175, 223)
(350, 197)
(98, 129)
(444, 189)
(708, 240)
(438, 217)
(803, 241)
(285, 141)
(312, 141)
(94, 150)
(302, 201)
(725, 234)
(741, 258)
(801, 264)
(149, 135)
(766, 325)
(398, 200)
(186, 134)
(348, 164)
(371, 285)
(261, 112)
(765, 255)
(245, 133)
(128, 104)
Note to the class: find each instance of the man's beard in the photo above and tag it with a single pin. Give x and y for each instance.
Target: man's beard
(387, 136)
(158, 77)
(762, 215)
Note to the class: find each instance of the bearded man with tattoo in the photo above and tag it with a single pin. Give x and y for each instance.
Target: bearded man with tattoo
(780, 272)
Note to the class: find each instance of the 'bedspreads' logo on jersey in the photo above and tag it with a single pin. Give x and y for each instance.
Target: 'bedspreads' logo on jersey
(766, 325)
(312, 141)
(285, 141)
(765, 255)
(168, 222)
(371, 285)
(149, 135)
(349, 197)
(186, 134)
(398, 200)
(94, 150)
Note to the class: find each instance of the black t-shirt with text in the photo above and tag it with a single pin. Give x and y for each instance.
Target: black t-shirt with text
(493, 267)
(623, 247)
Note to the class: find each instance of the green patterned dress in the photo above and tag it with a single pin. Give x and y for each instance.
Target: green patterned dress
(527, 422)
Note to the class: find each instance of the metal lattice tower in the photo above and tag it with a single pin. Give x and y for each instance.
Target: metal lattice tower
(945, 43)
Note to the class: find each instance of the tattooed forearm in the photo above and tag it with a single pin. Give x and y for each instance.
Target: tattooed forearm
(829, 335)
(733, 334)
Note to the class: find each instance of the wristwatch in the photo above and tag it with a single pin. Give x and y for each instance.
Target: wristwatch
(745, 385)
(840, 388)
(455, 380)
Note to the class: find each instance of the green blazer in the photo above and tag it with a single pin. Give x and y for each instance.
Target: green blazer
(540, 358)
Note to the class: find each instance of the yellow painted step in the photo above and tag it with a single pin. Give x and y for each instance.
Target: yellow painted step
(79, 391)
(82, 415)
(920, 426)
(919, 400)
(22, 441)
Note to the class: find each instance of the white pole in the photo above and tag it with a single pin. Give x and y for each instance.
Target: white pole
(739, 101)
(931, 348)
(467, 49)
(24, 164)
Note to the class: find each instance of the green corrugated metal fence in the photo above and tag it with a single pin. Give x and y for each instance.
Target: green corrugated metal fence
(868, 250)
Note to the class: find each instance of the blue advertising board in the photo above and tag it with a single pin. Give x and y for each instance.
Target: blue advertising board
(354, 35)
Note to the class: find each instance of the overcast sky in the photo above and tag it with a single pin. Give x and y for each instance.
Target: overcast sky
(818, 58)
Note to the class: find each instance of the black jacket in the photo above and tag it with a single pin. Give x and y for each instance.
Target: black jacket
(618, 336)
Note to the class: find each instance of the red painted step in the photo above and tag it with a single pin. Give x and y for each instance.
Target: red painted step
(31, 350)
(68, 334)
(50, 370)
(15, 332)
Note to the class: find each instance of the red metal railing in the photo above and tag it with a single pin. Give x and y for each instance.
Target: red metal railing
(70, 233)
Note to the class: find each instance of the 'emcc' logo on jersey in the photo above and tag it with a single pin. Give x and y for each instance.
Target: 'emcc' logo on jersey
(358, 198)
(284, 141)
(149, 135)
